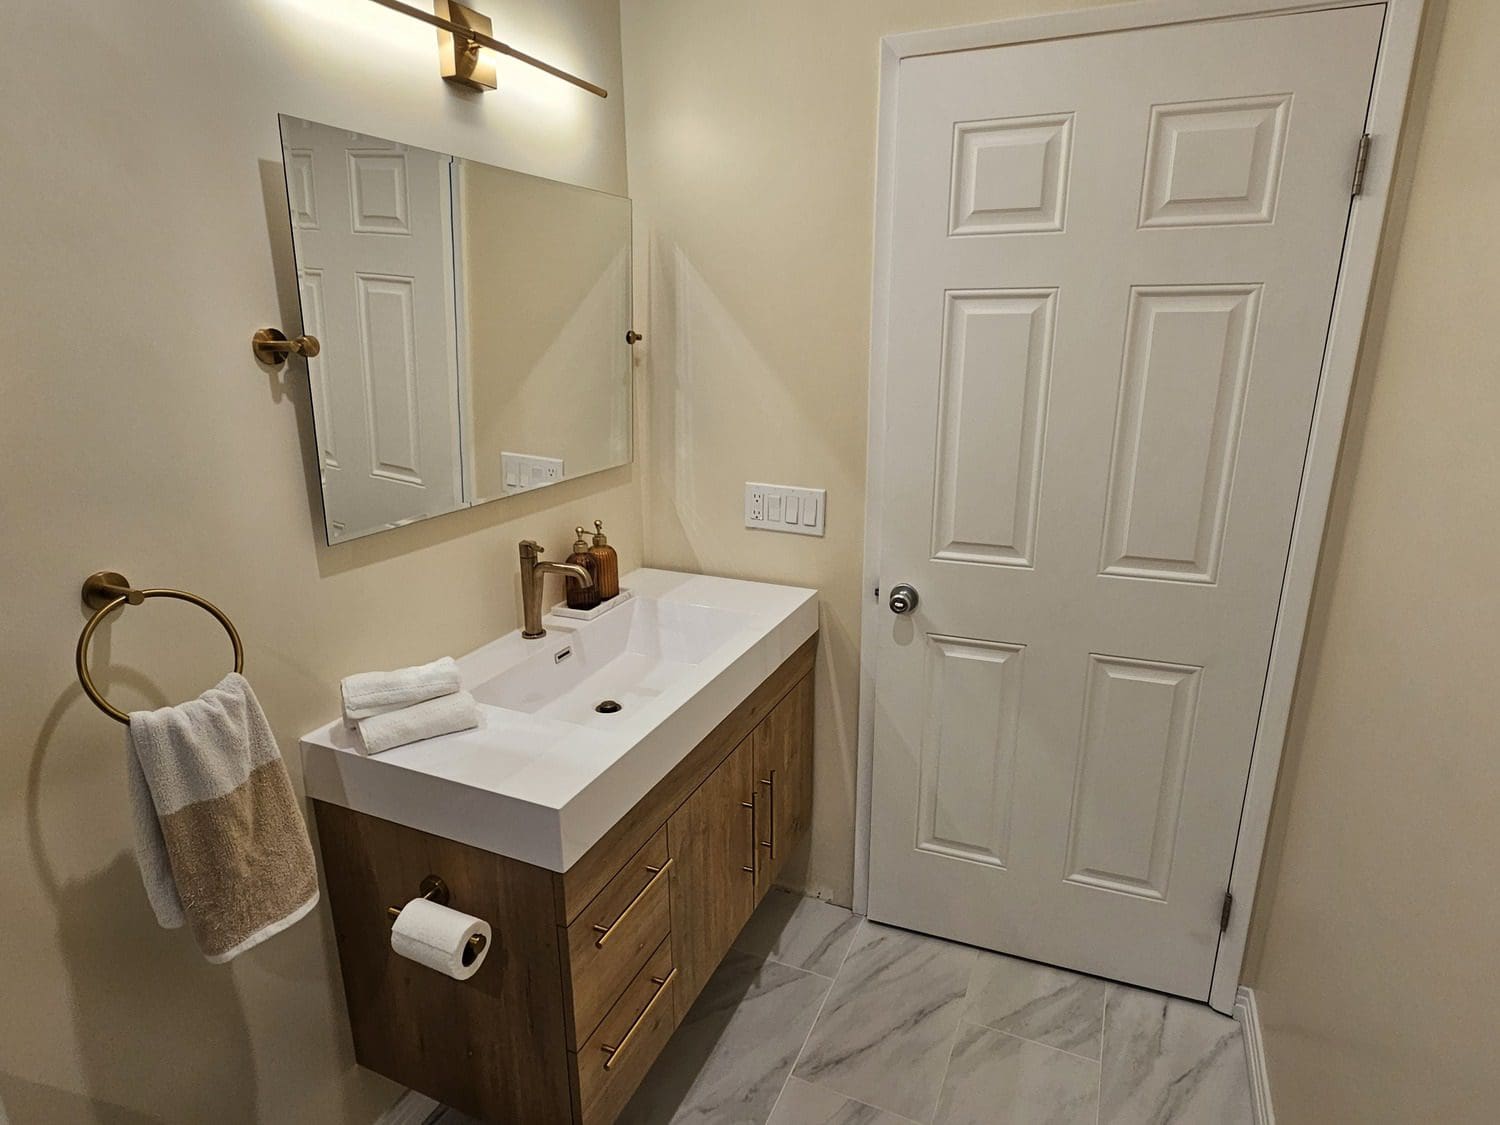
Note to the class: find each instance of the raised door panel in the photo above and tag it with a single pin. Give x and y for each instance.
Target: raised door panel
(712, 844)
(1215, 162)
(1138, 725)
(784, 781)
(993, 408)
(966, 785)
(1177, 430)
(388, 351)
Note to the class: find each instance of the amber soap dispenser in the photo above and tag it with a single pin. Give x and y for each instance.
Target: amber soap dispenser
(579, 595)
(607, 575)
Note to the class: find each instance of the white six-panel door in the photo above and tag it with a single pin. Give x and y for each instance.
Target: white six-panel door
(372, 222)
(1112, 265)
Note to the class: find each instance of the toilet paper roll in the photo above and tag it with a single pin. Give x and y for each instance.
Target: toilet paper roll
(438, 937)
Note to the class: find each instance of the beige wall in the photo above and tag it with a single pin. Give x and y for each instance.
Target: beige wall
(144, 237)
(546, 313)
(752, 164)
(1375, 936)
(752, 134)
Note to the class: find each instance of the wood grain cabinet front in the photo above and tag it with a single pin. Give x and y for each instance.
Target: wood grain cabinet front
(592, 968)
(712, 841)
(783, 782)
(611, 1064)
(611, 939)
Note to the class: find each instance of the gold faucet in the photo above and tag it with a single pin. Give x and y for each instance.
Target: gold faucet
(532, 570)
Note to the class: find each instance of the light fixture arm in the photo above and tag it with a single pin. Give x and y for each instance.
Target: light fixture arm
(470, 36)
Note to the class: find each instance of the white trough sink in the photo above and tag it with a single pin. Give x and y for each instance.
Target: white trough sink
(548, 773)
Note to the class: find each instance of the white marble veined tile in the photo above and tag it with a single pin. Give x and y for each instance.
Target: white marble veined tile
(995, 1077)
(1038, 1002)
(886, 1029)
(803, 932)
(802, 1103)
(919, 1031)
(1170, 1062)
(727, 1062)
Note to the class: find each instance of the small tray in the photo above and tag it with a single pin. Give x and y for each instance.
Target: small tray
(562, 610)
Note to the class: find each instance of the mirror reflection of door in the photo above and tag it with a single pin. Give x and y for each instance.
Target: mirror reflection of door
(373, 233)
(473, 323)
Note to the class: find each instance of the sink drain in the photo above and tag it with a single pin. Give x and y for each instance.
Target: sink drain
(607, 707)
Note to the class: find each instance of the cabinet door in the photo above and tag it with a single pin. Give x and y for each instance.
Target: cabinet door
(783, 781)
(712, 841)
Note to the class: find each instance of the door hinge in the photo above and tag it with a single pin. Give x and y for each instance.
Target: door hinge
(1361, 158)
(1224, 911)
(877, 591)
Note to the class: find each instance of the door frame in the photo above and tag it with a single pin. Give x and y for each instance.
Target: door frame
(1393, 72)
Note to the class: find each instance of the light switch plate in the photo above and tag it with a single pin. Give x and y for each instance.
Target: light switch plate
(780, 507)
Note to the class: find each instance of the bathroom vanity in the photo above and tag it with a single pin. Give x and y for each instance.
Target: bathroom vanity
(615, 853)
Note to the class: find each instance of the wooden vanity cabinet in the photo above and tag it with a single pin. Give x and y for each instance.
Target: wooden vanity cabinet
(784, 782)
(712, 841)
(592, 968)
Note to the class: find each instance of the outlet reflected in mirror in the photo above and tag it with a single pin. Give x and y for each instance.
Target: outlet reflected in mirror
(473, 323)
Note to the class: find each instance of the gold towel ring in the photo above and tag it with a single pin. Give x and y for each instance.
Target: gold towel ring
(106, 591)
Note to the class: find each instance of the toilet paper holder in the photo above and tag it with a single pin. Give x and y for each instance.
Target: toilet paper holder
(433, 889)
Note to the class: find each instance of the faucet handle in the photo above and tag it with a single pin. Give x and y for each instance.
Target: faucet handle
(530, 548)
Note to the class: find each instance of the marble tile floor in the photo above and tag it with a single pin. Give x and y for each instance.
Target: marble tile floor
(818, 1017)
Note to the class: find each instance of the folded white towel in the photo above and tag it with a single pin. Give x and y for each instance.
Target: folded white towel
(374, 693)
(444, 715)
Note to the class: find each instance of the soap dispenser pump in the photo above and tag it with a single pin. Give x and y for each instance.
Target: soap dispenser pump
(579, 595)
(607, 576)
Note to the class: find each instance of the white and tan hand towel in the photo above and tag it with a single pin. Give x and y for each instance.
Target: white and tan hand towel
(428, 719)
(219, 838)
(374, 693)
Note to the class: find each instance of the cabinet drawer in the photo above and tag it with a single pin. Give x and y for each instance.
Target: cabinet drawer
(611, 1064)
(610, 941)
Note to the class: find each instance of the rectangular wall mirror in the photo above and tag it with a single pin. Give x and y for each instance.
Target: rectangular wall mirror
(474, 326)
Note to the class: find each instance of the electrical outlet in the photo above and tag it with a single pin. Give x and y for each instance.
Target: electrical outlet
(780, 507)
(525, 471)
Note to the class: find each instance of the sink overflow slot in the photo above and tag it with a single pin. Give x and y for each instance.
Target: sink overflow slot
(607, 707)
(562, 655)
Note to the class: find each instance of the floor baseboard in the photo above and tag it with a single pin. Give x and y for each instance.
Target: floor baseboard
(1248, 1016)
(411, 1108)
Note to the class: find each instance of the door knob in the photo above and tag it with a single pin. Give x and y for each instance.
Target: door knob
(903, 598)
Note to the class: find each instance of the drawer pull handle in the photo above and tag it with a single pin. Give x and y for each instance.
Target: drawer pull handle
(770, 783)
(604, 932)
(751, 804)
(618, 1049)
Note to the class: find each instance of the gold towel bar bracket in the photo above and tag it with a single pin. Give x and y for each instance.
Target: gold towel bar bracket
(104, 592)
(271, 346)
(433, 889)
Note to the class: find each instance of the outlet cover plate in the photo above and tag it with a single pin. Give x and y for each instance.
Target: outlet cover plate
(783, 507)
(524, 471)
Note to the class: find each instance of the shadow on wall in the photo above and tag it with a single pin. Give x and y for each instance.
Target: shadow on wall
(1351, 453)
(22, 1102)
(723, 407)
(127, 1011)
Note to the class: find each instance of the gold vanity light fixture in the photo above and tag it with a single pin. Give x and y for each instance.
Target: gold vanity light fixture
(461, 32)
